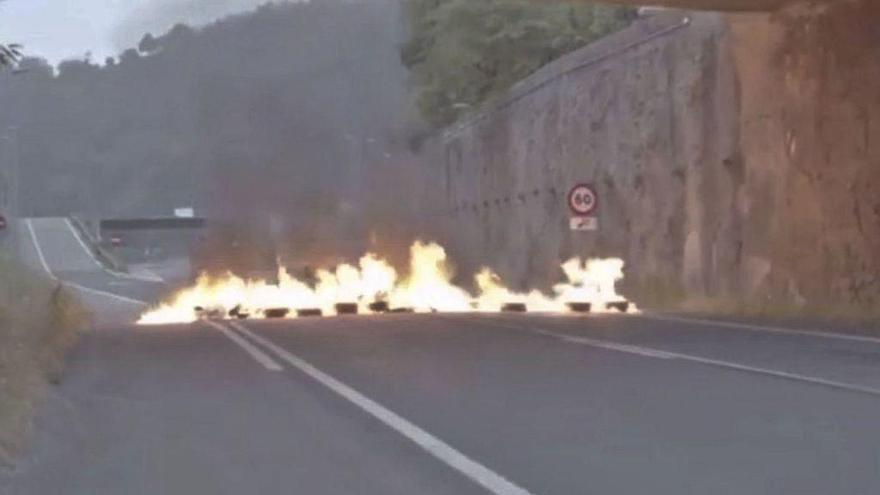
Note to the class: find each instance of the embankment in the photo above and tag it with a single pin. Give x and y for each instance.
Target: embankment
(38, 324)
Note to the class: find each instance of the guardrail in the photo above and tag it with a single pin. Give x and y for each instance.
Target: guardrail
(163, 223)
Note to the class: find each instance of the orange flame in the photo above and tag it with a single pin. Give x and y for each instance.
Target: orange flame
(426, 288)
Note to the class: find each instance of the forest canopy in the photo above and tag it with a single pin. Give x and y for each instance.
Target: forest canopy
(461, 53)
(289, 100)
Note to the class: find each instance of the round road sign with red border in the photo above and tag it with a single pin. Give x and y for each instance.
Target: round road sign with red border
(583, 199)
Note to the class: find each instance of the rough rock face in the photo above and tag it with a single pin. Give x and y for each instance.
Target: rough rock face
(736, 158)
(810, 134)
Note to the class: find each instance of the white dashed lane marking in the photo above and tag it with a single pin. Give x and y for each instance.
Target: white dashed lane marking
(480, 474)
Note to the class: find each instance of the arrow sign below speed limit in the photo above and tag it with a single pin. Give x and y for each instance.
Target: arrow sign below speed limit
(583, 199)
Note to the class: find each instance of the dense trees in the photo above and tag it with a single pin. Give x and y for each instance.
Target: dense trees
(274, 112)
(463, 52)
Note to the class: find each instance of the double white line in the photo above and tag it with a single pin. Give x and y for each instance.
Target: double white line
(252, 343)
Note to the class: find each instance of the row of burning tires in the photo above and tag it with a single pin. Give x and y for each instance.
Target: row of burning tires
(382, 307)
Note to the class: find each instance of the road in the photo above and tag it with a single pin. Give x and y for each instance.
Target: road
(462, 404)
(54, 247)
(548, 405)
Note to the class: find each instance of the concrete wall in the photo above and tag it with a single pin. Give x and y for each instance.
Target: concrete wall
(638, 115)
(695, 136)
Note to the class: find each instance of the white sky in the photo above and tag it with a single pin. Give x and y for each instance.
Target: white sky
(59, 29)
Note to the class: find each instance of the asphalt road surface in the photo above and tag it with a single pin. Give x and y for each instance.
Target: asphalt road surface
(461, 404)
(54, 247)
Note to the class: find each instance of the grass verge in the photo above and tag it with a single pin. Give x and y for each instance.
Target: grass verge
(726, 306)
(39, 321)
(656, 294)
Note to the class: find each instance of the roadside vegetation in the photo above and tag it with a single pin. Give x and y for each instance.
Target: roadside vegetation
(462, 53)
(38, 325)
(10, 54)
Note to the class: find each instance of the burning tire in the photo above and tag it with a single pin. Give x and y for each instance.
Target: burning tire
(208, 313)
(622, 306)
(514, 308)
(579, 307)
(380, 307)
(309, 313)
(346, 309)
(239, 313)
(276, 313)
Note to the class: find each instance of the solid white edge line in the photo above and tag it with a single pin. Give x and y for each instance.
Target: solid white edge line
(39, 249)
(92, 256)
(763, 328)
(82, 244)
(149, 277)
(780, 374)
(661, 354)
(470, 468)
(105, 294)
(258, 355)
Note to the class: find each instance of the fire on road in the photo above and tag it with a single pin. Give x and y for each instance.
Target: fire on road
(374, 286)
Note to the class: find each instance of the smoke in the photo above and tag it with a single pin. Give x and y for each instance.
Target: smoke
(285, 125)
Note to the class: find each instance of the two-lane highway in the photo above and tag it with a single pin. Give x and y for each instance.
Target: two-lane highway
(53, 246)
(462, 404)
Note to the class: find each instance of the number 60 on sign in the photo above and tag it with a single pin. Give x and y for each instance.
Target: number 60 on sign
(583, 200)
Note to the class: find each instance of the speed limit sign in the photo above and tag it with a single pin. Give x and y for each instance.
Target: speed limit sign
(583, 199)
